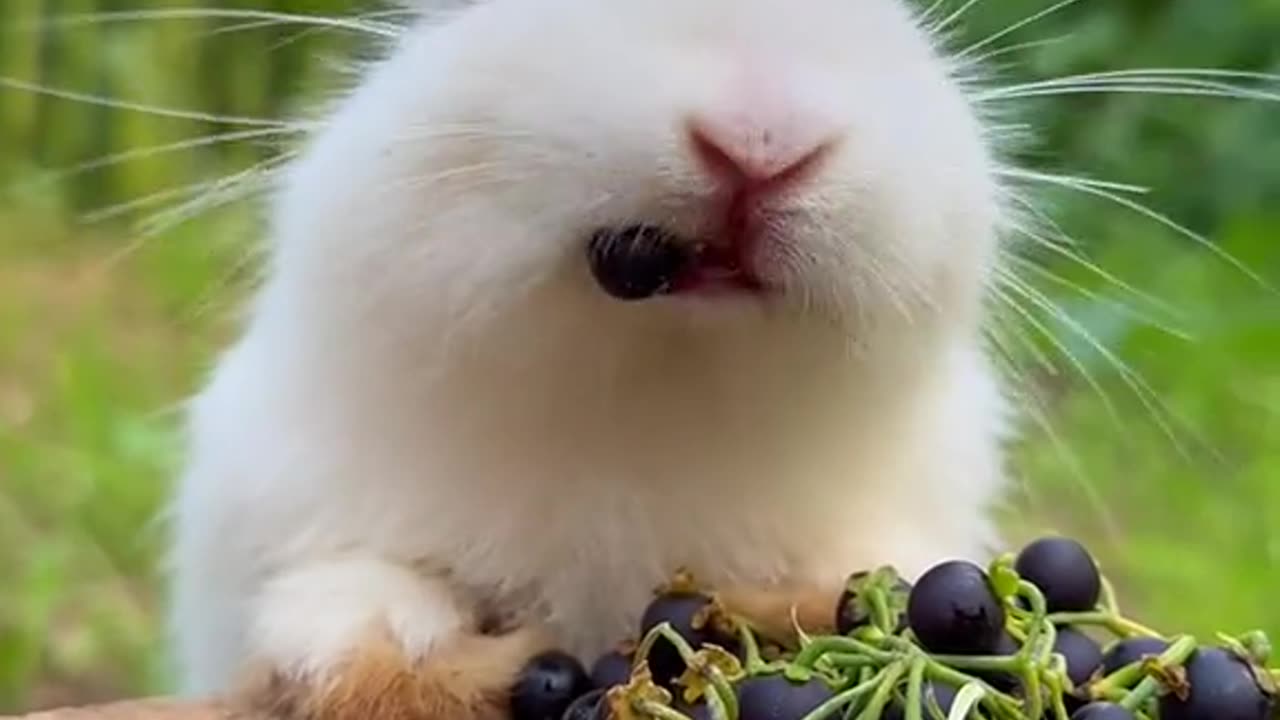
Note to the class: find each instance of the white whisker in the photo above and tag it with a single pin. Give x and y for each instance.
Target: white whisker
(282, 18)
(14, 84)
(147, 152)
(1149, 398)
(1104, 193)
(954, 17)
(1029, 20)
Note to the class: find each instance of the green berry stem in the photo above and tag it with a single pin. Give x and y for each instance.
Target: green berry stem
(721, 710)
(1038, 614)
(1108, 599)
(915, 690)
(754, 663)
(881, 616)
(667, 632)
(1117, 624)
(983, 663)
(807, 657)
(1054, 681)
(1176, 655)
(846, 697)
(1008, 705)
(1117, 681)
(723, 691)
(850, 661)
(654, 709)
(880, 698)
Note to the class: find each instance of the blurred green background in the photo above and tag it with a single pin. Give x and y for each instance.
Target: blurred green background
(104, 330)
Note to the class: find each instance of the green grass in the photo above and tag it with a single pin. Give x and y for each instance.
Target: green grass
(94, 359)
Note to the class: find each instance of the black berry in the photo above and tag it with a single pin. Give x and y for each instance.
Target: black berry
(682, 611)
(952, 610)
(590, 706)
(1222, 687)
(774, 697)
(547, 685)
(1082, 653)
(1127, 652)
(1102, 711)
(1064, 571)
(611, 668)
(636, 262)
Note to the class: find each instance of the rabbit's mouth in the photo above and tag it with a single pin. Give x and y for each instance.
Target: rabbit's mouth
(639, 262)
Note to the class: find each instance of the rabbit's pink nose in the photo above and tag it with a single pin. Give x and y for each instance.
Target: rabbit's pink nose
(757, 156)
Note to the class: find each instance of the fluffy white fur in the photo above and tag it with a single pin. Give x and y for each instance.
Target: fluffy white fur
(434, 412)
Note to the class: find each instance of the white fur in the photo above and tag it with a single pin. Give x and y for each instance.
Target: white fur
(434, 411)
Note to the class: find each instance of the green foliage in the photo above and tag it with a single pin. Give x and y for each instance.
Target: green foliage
(1178, 495)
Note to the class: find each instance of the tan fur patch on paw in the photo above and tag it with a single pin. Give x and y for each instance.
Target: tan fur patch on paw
(466, 677)
(775, 611)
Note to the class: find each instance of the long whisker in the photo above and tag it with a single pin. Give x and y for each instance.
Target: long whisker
(146, 152)
(283, 18)
(15, 84)
(1004, 281)
(1136, 82)
(1064, 248)
(1121, 307)
(1029, 20)
(1101, 192)
(990, 55)
(954, 17)
(1141, 389)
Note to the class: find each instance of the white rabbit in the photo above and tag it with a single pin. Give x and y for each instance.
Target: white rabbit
(438, 420)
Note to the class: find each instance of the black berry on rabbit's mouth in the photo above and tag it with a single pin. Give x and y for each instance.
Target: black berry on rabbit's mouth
(638, 262)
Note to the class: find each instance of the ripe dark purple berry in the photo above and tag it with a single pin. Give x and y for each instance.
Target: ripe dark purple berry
(682, 611)
(1082, 653)
(547, 685)
(1102, 711)
(1127, 652)
(952, 610)
(1222, 687)
(774, 697)
(611, 668)
(636, 262)
(1064, 571)
(589, 706)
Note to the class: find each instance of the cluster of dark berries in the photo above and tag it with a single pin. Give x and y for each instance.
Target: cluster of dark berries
(1033, 636)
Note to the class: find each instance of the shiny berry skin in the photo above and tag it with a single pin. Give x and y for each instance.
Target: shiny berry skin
(942, 694)
(1102, 711)
(1127, 652)
(1083, 654)
(774, 697)
(587, 707)
(547, 685)
(1223, 687)
(952, 610)
(850, 618)
(679, 609)
(611, 668)
(1064, 571)
(636, 262)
